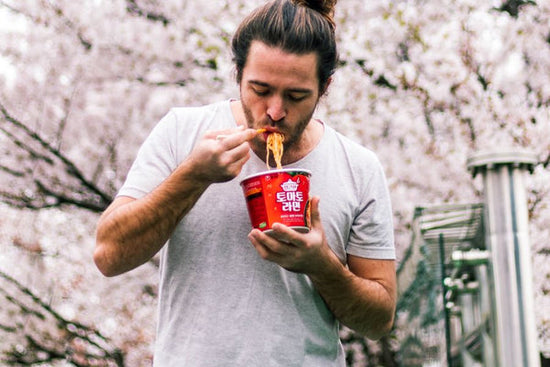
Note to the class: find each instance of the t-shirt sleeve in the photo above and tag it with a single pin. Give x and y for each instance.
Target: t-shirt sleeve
(371, 234)
(156, 159)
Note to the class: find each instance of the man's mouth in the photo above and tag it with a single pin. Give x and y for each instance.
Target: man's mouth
(270, 129)
(265, 131)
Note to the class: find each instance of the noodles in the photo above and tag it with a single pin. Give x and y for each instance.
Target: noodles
(275, 144)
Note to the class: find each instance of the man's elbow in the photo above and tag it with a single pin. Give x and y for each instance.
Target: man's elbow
(383, 324)
(379, 328)
(102, 262)
(382, 329)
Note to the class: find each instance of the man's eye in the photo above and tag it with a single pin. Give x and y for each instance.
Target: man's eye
(296, 97)
(261, 92)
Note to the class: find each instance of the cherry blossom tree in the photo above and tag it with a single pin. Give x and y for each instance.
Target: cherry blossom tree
(422, 83)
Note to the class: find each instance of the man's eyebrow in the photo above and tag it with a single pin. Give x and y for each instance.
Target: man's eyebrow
(294, 90)
(257, 82)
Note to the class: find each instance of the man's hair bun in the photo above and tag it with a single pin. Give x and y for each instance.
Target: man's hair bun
(325, 7)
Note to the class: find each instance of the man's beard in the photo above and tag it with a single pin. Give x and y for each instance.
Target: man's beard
(292, 137)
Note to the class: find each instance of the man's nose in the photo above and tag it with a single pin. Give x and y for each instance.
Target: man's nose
(276, 108)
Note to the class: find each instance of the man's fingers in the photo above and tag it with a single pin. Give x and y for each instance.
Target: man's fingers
(284, 234)
(315, 214)
(261, 246)
(232, 138)
(273, 243)
(223, 133)
(237, 161)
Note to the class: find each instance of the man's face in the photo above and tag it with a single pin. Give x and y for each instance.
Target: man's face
(279, 90)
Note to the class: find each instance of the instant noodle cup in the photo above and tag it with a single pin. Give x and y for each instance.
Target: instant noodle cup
(278, 196)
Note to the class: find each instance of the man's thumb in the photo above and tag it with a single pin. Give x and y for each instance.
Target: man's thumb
(315, 214)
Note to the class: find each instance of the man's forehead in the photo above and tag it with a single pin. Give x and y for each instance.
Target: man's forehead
(264, 63)
(259, 48)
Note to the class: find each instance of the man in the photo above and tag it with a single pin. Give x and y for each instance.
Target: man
(229, 295)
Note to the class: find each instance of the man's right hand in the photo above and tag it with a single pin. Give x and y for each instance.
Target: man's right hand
(220, 155)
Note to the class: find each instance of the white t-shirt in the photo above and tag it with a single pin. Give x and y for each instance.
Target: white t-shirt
(220, 304)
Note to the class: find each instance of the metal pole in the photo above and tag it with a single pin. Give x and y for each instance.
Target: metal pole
(507, 237)
(445, 310)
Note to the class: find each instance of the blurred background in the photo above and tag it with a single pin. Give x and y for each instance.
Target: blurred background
(424, 83)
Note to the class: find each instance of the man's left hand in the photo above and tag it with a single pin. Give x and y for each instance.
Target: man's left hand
(298, 252)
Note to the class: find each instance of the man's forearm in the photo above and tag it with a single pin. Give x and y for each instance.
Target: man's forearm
(130, 234)
(366, 306)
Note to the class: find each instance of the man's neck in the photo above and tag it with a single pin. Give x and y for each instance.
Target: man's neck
(309, 140)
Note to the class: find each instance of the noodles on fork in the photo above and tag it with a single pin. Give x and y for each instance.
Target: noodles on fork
(275, 144)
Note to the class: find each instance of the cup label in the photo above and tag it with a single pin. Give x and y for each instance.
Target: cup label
(278, 196)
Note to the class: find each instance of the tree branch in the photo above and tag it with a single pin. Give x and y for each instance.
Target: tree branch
(88, 195)
(133, 8)
(41, 346)
(513, 7)
(58, 12)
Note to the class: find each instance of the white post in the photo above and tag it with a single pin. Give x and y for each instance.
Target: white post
(507, 237)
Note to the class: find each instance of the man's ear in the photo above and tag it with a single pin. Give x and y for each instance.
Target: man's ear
(325, 87)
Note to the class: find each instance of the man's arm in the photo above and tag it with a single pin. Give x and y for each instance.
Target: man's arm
(130, 231)
(361, 296)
